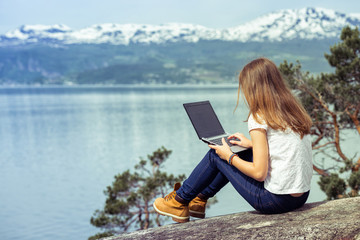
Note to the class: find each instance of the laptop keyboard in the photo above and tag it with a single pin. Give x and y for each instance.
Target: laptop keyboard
(218, 141)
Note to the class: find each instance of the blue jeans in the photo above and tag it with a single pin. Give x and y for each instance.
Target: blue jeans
(213, 173)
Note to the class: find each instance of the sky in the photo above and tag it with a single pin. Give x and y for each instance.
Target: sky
(220, 14)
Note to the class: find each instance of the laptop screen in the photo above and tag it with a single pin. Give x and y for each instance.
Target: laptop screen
(204, 119)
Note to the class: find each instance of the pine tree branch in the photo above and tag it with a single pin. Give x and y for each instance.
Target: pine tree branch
(320, 171)
(354, 116)
(157, 220)
(322, 122)
(147, 171)
(319, 99)
(320, 136)
(126, 226)
(337, 139)
(140, 214)
(330, 156)
(147, 216)
(323, 145)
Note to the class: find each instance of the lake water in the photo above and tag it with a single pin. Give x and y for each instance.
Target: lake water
(61, 146)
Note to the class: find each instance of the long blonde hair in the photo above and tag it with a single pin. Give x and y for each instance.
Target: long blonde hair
(270, 99)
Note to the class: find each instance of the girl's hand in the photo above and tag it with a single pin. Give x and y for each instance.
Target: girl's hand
(222, 151)
(242, 140)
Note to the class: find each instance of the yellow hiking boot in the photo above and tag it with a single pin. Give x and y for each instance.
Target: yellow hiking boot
(168, 206)
(197, 207)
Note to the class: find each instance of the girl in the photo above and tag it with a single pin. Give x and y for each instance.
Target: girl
(274, 174)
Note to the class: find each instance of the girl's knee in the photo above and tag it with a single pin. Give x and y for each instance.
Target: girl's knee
(213, 156)
(211, 151)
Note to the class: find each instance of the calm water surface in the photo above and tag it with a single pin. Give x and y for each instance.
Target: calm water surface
(61, 146)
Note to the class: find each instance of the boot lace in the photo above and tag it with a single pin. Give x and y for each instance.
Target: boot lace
(170, 196)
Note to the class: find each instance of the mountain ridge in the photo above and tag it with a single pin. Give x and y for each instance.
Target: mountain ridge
(168, 53)
(306, 23)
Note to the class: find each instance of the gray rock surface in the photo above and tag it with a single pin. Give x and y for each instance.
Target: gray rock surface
(338, 219)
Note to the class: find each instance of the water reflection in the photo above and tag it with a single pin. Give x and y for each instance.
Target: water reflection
(60, 148)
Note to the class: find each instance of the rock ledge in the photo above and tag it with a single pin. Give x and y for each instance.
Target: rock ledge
(338, 219)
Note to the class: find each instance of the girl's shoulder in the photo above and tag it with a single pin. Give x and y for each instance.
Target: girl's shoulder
(256, 122)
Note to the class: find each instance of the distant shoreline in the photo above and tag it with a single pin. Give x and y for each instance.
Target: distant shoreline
(152, 86)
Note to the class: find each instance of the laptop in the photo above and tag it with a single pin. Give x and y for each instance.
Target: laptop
(207, 124)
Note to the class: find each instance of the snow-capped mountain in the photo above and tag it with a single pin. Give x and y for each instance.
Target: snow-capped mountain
(112, 33)
(306, 23)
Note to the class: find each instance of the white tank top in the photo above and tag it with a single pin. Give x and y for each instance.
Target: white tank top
(290, 160)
